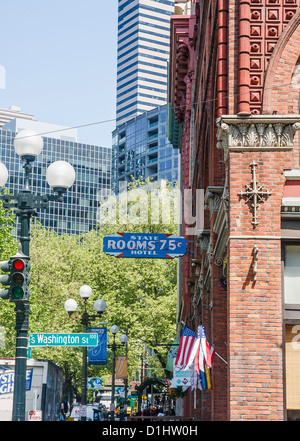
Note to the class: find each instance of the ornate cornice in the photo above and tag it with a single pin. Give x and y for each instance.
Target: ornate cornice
(257, 132)
(181, 62)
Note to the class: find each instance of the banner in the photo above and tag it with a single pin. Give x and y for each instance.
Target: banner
(172, 355)
(98, 354)
(121, 366)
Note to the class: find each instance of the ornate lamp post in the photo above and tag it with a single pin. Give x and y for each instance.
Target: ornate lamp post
(123, 339)
(60, 176)
(71, 306)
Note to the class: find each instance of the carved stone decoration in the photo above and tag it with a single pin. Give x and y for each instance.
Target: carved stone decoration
(257, 132)
(203, 240)
(213, 199)
(182, 52)
(255, 193)
(265, 135)
(200, 285)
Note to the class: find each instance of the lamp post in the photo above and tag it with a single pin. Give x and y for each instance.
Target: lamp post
(60, 176)
(123, 339)
(85, 293)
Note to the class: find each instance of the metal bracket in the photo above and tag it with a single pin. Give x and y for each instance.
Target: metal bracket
(255, 258)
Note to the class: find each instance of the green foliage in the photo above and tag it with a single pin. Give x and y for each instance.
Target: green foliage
(7, 221)
(8, 247)
(140, 293)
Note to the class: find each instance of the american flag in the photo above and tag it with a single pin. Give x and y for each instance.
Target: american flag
(187, 340)
(206, 348)
(202, 353)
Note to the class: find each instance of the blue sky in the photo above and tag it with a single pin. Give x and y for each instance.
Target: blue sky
(59, 59)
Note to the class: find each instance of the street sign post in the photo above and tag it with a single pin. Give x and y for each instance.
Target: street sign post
(41, 339)
(140, 245)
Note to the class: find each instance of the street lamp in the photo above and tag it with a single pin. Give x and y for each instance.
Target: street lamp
(28, 145)
(123, 339)
(3, 175)
(70, 305)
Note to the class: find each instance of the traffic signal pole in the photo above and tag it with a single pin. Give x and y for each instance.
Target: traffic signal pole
(25, 207)
(60, 176)
(22, 328)
(25, 210)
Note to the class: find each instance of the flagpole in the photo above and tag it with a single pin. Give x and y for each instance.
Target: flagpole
(221, 357)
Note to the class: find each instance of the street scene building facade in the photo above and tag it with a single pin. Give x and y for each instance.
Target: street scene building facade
(208, 95)
(234, 88)
(92, 164)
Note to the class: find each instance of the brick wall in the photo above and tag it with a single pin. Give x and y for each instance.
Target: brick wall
(255, 307)
(243, 323)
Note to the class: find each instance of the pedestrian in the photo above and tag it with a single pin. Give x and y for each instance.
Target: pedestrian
(146, 412)
(160, 412)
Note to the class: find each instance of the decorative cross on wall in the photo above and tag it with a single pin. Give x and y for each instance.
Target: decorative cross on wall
(254, 192)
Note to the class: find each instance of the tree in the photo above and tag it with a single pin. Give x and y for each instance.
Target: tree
(8, 247)
(140, 293)
(144, 289)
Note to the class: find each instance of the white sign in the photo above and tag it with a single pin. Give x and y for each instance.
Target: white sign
(35, 415)
(181, 377)
(82, 411)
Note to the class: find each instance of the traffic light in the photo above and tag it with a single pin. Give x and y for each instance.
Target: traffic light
(5, 267)
(19, 278)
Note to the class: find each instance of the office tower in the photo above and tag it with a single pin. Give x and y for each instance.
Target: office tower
(13, 112)
(143, 53)
(92, 164)
(141, 149)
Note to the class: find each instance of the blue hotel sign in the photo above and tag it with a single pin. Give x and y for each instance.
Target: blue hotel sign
(153, 246)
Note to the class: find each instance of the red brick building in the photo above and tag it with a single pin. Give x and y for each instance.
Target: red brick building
(234, 88)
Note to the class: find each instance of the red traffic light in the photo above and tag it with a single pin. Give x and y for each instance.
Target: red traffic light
(19, 264)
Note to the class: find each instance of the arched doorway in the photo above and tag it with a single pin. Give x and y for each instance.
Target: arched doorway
(140, 389)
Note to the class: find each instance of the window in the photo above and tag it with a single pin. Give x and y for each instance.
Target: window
(292, 275)
(292, 359)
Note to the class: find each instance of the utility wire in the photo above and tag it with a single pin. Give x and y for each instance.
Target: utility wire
(114, 119)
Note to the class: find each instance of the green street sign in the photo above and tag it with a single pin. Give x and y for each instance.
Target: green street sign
(42, 339)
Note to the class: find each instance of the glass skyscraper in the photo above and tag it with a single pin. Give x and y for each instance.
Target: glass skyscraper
(92, 164)
(141, 149)
(143, 53)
